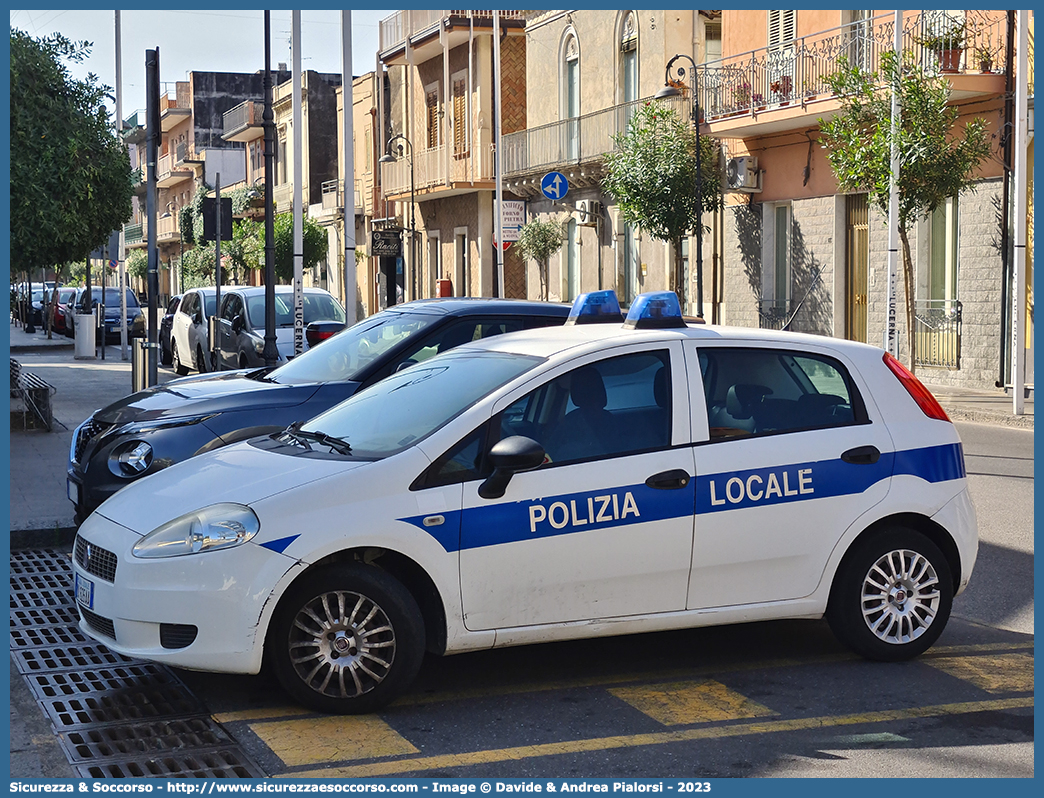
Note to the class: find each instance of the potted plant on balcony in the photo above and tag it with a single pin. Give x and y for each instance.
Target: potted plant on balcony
(984, 56)
(948, 45)
(740, 98)
(782, 88)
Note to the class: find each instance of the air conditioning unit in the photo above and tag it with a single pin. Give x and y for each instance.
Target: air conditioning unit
(588, 211)
(741, 174)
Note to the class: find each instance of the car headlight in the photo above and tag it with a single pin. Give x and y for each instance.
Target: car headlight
(259, 346)
(219, 526)
(130, 459)
(143, 427)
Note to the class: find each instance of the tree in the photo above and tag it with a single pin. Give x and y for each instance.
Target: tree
(652, 177)
(137, 263)
(315, 242)
(539, 240)
(70, 174)
(936, 161)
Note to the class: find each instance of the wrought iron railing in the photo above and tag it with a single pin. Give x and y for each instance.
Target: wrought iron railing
(797, 71)
(937, 328)
(133, 233)
(575, 140)
(775, 314)
(244, 115)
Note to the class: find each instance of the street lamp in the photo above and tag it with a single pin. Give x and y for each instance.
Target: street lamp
(670, 91)
(390, 158)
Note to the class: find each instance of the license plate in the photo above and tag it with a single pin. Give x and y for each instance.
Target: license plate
(114, 328)
(74, 492)
(84, 591)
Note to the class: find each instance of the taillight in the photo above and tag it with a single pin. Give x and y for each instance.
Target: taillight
(319, 331)
(929, 404)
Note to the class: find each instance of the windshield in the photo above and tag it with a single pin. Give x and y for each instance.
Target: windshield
(317, 307)
(347, 353)
(112, 297)
(409, 405)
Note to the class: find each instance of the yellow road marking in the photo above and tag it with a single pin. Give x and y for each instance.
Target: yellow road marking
(1003, 673)
(686, 703)
(314, 740)
(658, 738)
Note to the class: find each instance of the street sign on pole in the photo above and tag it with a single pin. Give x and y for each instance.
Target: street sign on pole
(554, 185)
(514, 217)
(386, 243)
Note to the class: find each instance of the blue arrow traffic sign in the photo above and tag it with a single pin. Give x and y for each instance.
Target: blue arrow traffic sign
(554, 185)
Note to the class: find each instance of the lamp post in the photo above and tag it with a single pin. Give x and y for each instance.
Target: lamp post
(389, 157)
(669, 91)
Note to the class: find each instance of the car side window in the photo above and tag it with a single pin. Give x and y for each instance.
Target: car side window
(173, 306)
(188, 304)
(231, 307)
(463, 462)
(765, 391)
(613, 407)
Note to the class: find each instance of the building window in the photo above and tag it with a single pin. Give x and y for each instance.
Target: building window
(942, 259)
(570, 97)
(781, 254)
(629, 59)
(774, 309)
(631, 264)
(712, 39)
(782, 27)
(460, 115)
(572, 261)
(280, 158)
(432, 115)
(781, 58)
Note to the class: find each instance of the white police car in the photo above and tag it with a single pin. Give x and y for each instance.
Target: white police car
(560, 483)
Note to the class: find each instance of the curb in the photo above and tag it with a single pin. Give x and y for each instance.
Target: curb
(987, 417)
(55, 537)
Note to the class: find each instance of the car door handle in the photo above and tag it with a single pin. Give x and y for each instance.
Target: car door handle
(862, 455)
(669, 480)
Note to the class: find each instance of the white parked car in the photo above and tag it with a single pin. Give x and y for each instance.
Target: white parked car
(189, 334)
(546, 485)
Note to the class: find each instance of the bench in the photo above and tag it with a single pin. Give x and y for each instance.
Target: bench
(34, 392)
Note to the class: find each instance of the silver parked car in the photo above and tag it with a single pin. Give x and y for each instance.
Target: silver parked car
(241, 323)
(189, 337)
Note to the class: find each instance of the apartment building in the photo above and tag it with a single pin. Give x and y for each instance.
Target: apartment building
(440, 124)
(592, 69)
(798, 253)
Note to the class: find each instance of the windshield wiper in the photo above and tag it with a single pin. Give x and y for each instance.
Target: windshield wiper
(339, 445)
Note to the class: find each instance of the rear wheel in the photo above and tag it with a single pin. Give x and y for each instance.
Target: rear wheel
(347, 639)
(179, 368)
(201, 360)
(166, 356)
(891, 596)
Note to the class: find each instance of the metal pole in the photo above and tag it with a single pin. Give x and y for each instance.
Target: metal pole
(699, 193)
(298, 124)
(271, 352)
(152, 90)
(496, 154)
(413, 231)
(212, 322)
(121, 254)
(1018, 294)
(348, 159)
(891, 344)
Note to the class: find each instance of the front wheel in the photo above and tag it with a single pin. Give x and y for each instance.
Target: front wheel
(346, 640)
(891, 596)
(175, 358)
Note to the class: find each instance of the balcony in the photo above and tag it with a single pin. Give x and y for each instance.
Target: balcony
(403, 25)
(736, 92)
(171, 113)
(245, 122)
(571, 142)
(169, 171)
(431, 173)
(167, 229)
(184, 153)
(134, 235)
(283, 197)
(134, 127)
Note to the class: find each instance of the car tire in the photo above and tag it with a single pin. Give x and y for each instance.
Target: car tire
(201, 360)
(179, 368)
(166, 356)
(243, 364)
(316, 636)
(892, 596)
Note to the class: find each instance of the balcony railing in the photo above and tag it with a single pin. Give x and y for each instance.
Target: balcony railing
(937, 324)
(283, 196)
(775, 314)
(573, 141)
(245, 115)
(133, 233)
(167, 228)
(798, 71)
(401, 25)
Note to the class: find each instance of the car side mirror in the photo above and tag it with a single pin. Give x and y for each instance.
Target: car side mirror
(508, 456)
(237, 324)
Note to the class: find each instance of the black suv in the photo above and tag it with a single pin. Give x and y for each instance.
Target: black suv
(135, 316)
(168, 423)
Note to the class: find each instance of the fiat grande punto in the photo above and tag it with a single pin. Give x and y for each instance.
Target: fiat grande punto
(545, 485)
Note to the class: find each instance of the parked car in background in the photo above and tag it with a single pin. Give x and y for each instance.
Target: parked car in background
(152, 429)
(189, 338)
(165, 326)
(135, 316)
(241, 326)
(63, 311)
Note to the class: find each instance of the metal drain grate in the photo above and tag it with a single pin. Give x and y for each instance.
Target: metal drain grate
(138, 739)
(61, 615)
(39, 561)
(78, 683)
(116, 706)
(40, 636)
(43, 581)
(115, 717)
(221, 763)
(27, 599)
(66, 658)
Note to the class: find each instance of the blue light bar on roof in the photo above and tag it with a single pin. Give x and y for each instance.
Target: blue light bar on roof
(595, 307)
(655, 310)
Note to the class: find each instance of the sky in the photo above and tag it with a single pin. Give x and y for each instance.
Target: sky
(201, 40)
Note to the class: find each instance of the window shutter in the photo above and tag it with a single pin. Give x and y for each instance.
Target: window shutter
(460, 122)
(431, 102)
(782, 27)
